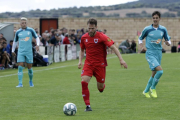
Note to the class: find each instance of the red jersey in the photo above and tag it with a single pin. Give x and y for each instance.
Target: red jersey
(96, 48)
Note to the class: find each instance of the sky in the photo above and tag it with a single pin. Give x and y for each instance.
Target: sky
(26, 5)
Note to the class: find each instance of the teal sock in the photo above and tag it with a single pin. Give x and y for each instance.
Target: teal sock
(156, 79)
(30, 73)
(20, 74)
(149, 84)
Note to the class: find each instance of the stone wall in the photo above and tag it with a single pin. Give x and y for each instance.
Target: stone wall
(117, 29)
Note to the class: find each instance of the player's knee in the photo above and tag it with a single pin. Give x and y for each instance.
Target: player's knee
(159, 72)
(100, 85)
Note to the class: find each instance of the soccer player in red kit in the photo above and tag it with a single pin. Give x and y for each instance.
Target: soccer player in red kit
(95, 44)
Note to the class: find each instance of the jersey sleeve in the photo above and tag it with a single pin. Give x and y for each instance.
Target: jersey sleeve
(107, 41)
(166, 36)
(143, 34)
(82, 43)
(34, 34)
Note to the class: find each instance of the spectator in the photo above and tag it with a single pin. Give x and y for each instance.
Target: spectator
(5, 56)
(1, 35)
(54, 40)
(133, 46)
(44, 39)
(64, 31)
(1, 50)
(9, 49)
(61, 35)
(66, 39)
(179, 46)
(104, 31)
(73, 37)
(82, 31)
(125, 46)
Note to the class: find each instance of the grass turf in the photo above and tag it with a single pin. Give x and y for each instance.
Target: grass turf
(122, 98)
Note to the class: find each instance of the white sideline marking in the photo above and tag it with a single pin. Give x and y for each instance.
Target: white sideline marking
(49, 68)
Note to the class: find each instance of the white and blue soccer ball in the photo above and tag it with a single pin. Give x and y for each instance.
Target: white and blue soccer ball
(69, 109)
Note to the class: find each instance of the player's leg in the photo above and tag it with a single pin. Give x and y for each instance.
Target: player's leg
(20, 60)
(85, 92)
(86, 75)
(101, 86)
(29, 61)
(149, 84)
(30, 73)
(152, 63)
(159, 72)
(100, 74)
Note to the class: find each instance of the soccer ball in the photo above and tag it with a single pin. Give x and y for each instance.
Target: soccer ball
(69, 109)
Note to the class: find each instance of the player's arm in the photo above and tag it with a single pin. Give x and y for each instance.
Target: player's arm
(34, 34)
(14, 44)
(116, 51)
(81, 55)
(37, 43)
(141, 37)
(167, 38)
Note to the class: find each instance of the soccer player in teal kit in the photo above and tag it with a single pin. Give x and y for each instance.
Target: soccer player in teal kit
(154, 35)
(24, 36)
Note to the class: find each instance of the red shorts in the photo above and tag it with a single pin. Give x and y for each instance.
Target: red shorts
(98, 72)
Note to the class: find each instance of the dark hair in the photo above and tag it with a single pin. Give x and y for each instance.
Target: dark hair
(156, 13)
(11, 41)
(92, 21)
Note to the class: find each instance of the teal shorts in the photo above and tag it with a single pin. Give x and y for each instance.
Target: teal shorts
(28, 58)
(153, 58)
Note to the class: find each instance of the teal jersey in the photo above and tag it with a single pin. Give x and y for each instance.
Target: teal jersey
(154, 37)
(25, 37)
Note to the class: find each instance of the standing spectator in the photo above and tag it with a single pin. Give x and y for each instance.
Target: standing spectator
(61, 35)
(73, 36)
(25, 54)
(66, 39)
(95, 64)
(54, 40)
(133, 46)
(44, 39)
(154, 34)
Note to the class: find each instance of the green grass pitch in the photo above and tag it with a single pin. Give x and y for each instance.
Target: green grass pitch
(122, 98)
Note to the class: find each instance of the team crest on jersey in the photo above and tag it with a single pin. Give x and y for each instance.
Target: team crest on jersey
(95, 40)
(28, 33)
(86, 40)
(108, 39)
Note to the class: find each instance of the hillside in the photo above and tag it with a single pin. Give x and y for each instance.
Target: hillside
(141, 8)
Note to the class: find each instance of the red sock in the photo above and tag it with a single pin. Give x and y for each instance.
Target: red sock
(101, 90)
(85, 92)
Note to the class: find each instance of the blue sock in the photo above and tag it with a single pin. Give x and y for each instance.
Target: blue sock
(30, 73)
(156, 79)
(20, 74)
(149, 84)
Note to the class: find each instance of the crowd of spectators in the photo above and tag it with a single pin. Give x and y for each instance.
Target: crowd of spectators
(48, 38)
(5, 52)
